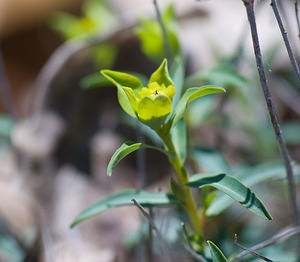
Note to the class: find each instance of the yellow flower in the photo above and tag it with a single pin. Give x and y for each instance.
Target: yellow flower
(148, 104)
(152, 102)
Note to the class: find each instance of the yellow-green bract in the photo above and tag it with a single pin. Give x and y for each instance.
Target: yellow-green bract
(153, 105)
(145, 103)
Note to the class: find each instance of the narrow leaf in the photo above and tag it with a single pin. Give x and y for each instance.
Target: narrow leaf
(249, 177)
(125, 150)
(233, 188)
(179, 139)
(122, 79)
(219, 76)
(177, 75)
(145, 198)
(216, 253)
(210, 160)
(192, 94)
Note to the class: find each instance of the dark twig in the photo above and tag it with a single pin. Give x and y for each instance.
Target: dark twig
(167, 47)
(297, 17)
(150, 237)
(5, 90)
(285, 38)
(249, 250)
(187, 245)
(272, 111)
(282, 235)
(164, 247)
(194, 254)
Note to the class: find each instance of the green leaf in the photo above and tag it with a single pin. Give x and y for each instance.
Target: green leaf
(177, 74)
(233, 188)
(249, 177)
(161, 75)
(121, 80)
(147, 131)
(210, 160)
(145, 198)
(178, 134)
(125, 150)
(218, 76)
(97, 80)
(216, 253)
(192, 94)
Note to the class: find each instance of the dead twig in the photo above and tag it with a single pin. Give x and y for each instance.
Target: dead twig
(297, 17)
(150, 237)
(249, 5)
(164, 247)
(195, 255)
(282, 235)
(285, 38)
(250, 251)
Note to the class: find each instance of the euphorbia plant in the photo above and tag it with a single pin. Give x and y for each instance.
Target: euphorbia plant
(155, 106)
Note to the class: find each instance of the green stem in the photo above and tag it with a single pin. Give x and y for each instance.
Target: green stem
(189, 201)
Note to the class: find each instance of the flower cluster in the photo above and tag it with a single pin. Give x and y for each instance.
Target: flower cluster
(148, 104)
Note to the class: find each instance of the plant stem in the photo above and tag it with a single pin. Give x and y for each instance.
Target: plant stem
(166, 42)
(189, 201)
(272, 112)
(285, 38)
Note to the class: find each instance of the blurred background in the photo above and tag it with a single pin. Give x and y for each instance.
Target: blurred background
(58, 131)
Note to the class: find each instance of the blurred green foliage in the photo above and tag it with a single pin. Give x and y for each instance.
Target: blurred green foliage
(7, 125)
(96, 18)
(151, 35)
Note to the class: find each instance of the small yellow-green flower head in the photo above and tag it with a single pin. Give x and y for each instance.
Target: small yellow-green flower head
(150, 103)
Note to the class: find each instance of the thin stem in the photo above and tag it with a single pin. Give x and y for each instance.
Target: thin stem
(282, 235)
(250, 250)
(150, 238)
(164, 246)
(193, 253)
(5, 90)
(285, 38)
(272, 111)
(297, 17)
(167, 47)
